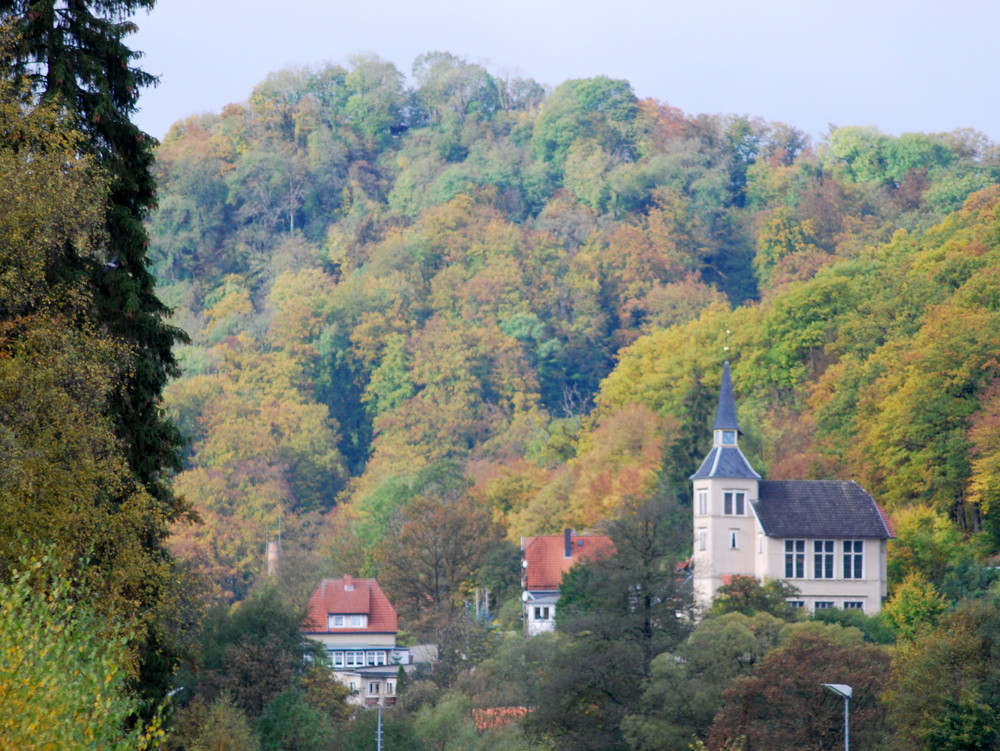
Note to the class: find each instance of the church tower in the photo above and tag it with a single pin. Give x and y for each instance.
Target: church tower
(724, 486)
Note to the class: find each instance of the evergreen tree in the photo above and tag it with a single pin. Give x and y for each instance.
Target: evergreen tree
(73, 54)
(70, 55)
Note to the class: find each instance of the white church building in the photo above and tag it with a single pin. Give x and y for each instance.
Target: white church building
(826, 538)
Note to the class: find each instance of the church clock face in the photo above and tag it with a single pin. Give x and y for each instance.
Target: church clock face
(729, 437)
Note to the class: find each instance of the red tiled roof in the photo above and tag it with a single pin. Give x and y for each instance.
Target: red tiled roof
(546, 557)
(495, 718)
(350, 596)
(887, 520)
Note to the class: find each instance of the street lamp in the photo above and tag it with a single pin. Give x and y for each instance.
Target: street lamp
(841, 689)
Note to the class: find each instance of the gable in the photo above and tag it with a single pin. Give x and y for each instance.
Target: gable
(819, 509)
(349, 596)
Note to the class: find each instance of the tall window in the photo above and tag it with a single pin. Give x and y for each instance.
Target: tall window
(854, 560)
(823, 559)
(734, 538)
(702, 539)
(795, 559)
(702, 502)
(734, 502)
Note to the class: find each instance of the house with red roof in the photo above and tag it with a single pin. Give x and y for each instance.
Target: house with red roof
(827, 538)
(356, 624)
(544, 560)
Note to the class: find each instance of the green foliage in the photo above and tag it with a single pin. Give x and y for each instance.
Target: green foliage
(915, 606)
(685, 686)
(744, 594)
(225, 729)
(945, 682)
(66, 672)
(289, 723)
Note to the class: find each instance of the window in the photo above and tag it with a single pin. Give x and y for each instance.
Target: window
(734, 502)
(353, 688)
(854, 559)
(373, 688)
(849, 605)
(797, 603)
(823, 605)
(823, 559)
(760, 543)
(734, 539)
(337, 658)
(795, 559)
(375, 658)
(729, 437)
(337, 620)
(354, 659)
(390, 688)
(702, 502)
(541, 612)
(702, 539)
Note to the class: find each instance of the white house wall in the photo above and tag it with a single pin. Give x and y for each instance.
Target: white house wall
(718, 559)
(770, 564)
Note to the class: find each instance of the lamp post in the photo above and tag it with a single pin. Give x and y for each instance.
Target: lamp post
(841, 689)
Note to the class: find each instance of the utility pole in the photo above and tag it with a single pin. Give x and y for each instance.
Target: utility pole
(378, 731)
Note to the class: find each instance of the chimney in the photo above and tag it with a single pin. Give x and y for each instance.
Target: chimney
(271, 554)
(348, 583)
(568, 538)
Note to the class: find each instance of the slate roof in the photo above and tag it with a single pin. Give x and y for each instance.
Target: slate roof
(546, 561)
(818, 509)
(725, 413)
(350, 596)
(725, 461)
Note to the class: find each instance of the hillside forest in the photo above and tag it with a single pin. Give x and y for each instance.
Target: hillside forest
(396, 321)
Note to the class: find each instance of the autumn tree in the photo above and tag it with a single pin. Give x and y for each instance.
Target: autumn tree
(783, 705)
(429, 562)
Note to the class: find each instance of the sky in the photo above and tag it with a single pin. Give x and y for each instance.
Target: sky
(915, 66)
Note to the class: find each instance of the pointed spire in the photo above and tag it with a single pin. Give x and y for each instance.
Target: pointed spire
(725, 415)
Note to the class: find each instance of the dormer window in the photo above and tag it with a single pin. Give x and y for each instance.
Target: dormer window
(728, 437)
(340, 620)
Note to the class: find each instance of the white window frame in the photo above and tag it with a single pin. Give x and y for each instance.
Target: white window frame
(824, 552)
(374, 688)
(734, 503)
(734, 539)
(702, 539)
(541, 613)
(359, 620)
(702, 494)
(795, 559)
(797, 603)
(337, 658)
(823, 605)
(854, 605)
(335, 620)
(854, 559)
